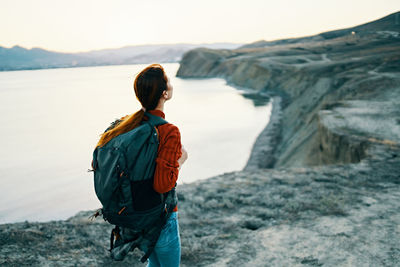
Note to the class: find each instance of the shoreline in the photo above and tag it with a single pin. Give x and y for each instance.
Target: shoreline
(333, 195)
(262, 154)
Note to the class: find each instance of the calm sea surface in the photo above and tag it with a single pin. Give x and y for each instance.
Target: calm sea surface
(51, 120)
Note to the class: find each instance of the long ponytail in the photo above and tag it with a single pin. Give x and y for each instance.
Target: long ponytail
(149, 85)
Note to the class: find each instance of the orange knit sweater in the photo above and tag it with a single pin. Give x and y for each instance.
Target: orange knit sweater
(169, 151)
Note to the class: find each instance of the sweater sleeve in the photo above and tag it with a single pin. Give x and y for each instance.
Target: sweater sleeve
(167, 166)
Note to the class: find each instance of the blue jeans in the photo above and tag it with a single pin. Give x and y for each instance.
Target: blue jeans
(167, 252)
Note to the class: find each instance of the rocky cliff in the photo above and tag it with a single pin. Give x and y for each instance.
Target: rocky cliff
(309, 76)
(322, 185)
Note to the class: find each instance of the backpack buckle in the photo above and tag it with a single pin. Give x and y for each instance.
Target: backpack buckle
(97, 213)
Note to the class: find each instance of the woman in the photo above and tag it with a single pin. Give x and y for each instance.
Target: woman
(153, 89)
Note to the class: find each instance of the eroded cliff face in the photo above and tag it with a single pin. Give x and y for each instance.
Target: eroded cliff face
(321, 187)
(308, 77)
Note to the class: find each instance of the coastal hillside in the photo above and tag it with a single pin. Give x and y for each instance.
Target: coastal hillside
(362, 63)
(387, 25)
(322, 184)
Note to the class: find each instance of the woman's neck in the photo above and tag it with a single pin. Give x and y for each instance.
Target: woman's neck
(160, 106)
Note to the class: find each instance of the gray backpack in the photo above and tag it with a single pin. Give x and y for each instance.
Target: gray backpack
(123, 179)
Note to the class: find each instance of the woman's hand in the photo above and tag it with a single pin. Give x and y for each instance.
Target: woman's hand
(183, 158)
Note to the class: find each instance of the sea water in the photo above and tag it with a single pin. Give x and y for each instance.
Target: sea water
(51, 121)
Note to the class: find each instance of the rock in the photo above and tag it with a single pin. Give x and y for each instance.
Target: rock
(322, 184)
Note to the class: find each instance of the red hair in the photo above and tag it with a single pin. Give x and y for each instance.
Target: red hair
(149, 85)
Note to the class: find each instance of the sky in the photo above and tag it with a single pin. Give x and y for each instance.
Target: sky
(82, 25)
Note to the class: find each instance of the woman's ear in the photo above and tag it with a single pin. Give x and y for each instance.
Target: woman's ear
(165, 94)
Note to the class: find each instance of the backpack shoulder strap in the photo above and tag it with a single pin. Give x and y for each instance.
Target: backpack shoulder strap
(155, 120)
(158, 134)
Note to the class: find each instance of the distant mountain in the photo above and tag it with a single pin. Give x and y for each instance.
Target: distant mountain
(385, 26)
(19, 58)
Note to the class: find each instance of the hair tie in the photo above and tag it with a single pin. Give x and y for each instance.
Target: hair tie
(144, 109)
